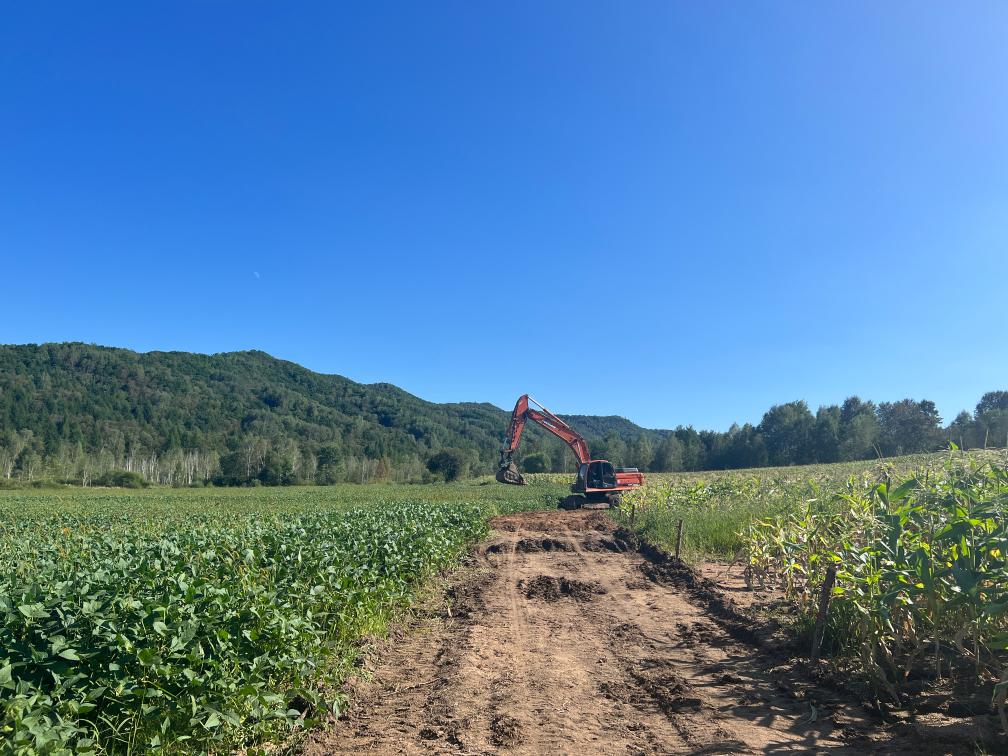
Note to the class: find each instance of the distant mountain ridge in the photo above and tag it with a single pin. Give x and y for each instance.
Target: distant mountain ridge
(105, 398)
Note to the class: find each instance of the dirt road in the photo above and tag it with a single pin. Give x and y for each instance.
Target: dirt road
(557, 639)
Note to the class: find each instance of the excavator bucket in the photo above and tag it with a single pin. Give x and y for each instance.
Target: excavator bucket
(509, 474)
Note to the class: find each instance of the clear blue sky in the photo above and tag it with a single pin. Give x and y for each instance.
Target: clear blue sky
(679, 212)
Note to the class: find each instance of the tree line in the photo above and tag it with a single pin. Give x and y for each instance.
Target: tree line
(85, 414)
(255, 460)
(790, 434)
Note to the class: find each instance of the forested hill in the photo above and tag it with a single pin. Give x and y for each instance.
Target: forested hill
(76, 412)
(66, 401)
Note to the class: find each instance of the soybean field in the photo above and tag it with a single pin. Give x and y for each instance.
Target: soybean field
(183, 620)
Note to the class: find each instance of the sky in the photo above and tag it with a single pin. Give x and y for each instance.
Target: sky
(677, 212)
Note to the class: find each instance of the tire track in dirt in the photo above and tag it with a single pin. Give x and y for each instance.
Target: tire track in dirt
(505, 728)
(559, 640)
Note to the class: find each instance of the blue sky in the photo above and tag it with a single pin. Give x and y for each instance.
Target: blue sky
(676, 212)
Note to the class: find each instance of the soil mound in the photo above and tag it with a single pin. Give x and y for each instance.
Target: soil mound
(549, 588)
(531, 545)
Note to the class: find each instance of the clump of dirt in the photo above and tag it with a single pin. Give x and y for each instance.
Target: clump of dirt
(640, 585)
(549, 588)
(627, 538)
(600, 522)
(669, 691)
(533, 545)
(610, 690)
(607, 544)
(529, 546)
(505, 731)
(667, 570)
(627, 631)
(464, 600)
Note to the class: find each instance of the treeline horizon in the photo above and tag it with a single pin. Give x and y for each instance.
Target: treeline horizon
(87, 415)
(790, 434)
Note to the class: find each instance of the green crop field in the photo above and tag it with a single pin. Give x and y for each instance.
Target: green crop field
(208, 619)
(204, 619)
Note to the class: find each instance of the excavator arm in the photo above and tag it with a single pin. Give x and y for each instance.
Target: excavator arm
(508, 471)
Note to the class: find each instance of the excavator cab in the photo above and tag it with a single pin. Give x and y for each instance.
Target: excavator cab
(594, 475)
(601, 474)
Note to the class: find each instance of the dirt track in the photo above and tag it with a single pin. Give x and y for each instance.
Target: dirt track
(559, 640)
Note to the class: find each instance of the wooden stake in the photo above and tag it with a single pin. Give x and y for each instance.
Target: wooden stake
(678, 539)
(820, 623)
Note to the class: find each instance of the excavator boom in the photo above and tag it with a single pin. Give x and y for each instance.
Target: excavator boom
(508, 471)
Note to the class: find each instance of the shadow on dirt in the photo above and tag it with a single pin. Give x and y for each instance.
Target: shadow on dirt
(935, 720)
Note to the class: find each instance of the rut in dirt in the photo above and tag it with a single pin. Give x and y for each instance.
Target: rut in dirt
(560, 636)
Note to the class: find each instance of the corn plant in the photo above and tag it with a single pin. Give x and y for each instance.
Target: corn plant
(921, 568)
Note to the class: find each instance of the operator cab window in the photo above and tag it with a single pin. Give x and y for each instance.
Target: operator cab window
(601, 475)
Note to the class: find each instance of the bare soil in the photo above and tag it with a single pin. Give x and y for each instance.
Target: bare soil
(562, 636)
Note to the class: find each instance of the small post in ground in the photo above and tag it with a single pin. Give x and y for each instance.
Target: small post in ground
(678, 539)
(820, 622)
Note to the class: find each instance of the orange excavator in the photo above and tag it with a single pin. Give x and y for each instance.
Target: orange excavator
(598, 484)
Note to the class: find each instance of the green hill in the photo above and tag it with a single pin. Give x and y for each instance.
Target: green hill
(73, 400)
